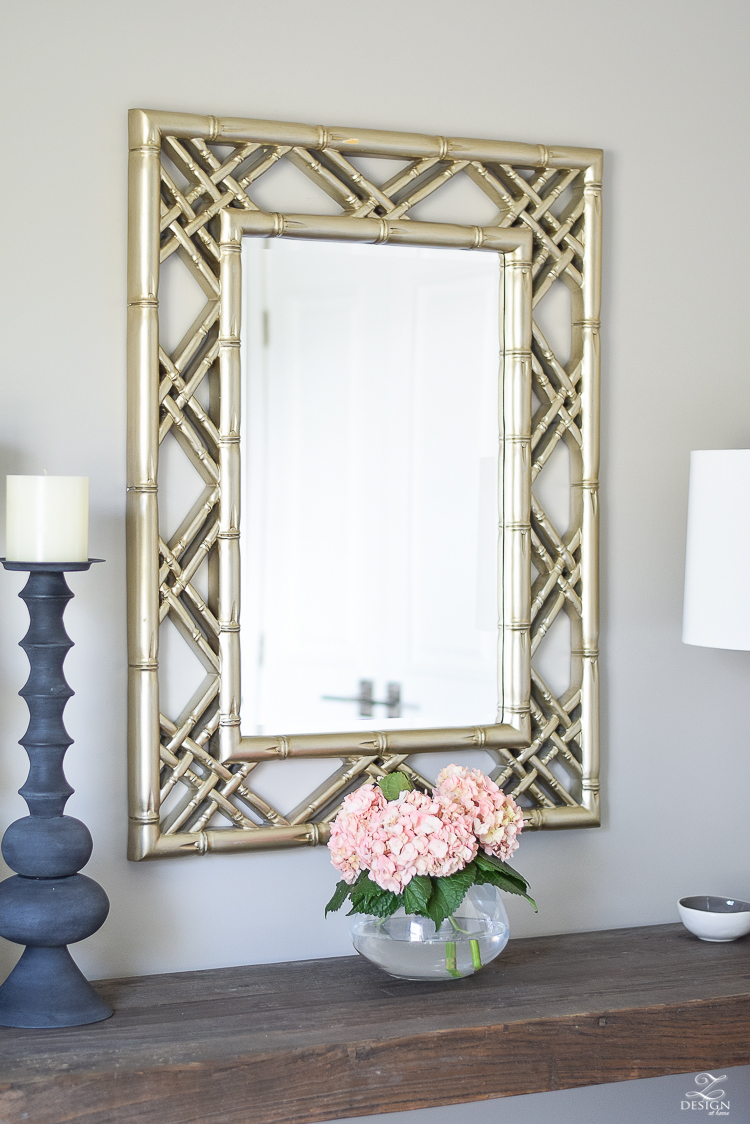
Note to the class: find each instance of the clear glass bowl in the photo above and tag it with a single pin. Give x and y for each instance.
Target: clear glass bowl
(408, 947)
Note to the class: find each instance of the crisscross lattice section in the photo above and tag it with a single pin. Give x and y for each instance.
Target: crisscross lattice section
(196, 789)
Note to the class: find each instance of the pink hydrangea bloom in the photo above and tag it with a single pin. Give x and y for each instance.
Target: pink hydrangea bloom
(409, 836)
(350, 827)
(495, 818)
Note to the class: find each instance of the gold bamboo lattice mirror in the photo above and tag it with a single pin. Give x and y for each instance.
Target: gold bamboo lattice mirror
(200, 189)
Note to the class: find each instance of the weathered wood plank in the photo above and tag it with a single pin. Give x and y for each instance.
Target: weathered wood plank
(314, 1040)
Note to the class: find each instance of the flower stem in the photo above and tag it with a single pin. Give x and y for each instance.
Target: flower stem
(450, 959)
(476, 959)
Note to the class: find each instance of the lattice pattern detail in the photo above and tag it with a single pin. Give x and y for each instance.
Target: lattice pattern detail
(549, 201)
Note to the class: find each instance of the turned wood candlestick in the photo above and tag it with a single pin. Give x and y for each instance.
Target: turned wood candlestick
(47, 904)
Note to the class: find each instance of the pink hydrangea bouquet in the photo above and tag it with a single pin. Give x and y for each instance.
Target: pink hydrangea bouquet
(396, 846)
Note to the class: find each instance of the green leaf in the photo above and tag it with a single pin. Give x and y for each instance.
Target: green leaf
(367, 897)
(340, 894)
(437, 908)
(417, 893)
(394, 783)
(365, 888)
(386, 904)
(447, 894)
(381, 904)
(503, 882)
(461, 880)
(491, 862)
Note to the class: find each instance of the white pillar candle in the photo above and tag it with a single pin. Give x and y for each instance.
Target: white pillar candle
(47, 519)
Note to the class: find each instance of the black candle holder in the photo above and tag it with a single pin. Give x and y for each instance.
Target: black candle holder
(47, 904)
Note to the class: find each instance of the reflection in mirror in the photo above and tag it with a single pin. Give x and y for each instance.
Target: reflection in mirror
(370, 511)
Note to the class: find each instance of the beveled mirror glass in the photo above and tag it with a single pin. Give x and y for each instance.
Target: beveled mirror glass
(376, 495)
(369, 527)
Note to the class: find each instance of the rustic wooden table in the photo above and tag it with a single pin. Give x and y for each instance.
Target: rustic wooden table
(320, 1039)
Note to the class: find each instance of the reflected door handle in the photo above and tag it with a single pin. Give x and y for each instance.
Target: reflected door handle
(364, 698)
(392, 701)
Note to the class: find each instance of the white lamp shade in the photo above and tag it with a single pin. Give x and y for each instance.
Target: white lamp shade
(717, 602)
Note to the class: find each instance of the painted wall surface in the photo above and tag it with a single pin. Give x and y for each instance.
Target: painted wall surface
(663, 88)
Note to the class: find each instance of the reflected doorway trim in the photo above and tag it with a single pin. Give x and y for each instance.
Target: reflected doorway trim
(204, 223)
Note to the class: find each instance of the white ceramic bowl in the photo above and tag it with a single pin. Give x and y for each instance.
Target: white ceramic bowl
(715, 919)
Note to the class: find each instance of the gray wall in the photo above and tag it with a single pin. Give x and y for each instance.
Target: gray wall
(663, 89)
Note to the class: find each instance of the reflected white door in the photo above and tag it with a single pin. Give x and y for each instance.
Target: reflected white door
(369, 533)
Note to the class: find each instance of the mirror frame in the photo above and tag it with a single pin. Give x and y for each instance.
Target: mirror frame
(202, 749)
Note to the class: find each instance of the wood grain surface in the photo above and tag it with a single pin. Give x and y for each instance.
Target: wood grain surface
(320, 1039)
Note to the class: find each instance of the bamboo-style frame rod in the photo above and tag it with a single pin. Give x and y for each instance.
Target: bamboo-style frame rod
(205, 223)
(513, 723)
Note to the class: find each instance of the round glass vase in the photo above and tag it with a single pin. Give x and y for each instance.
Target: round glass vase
(407, 946)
